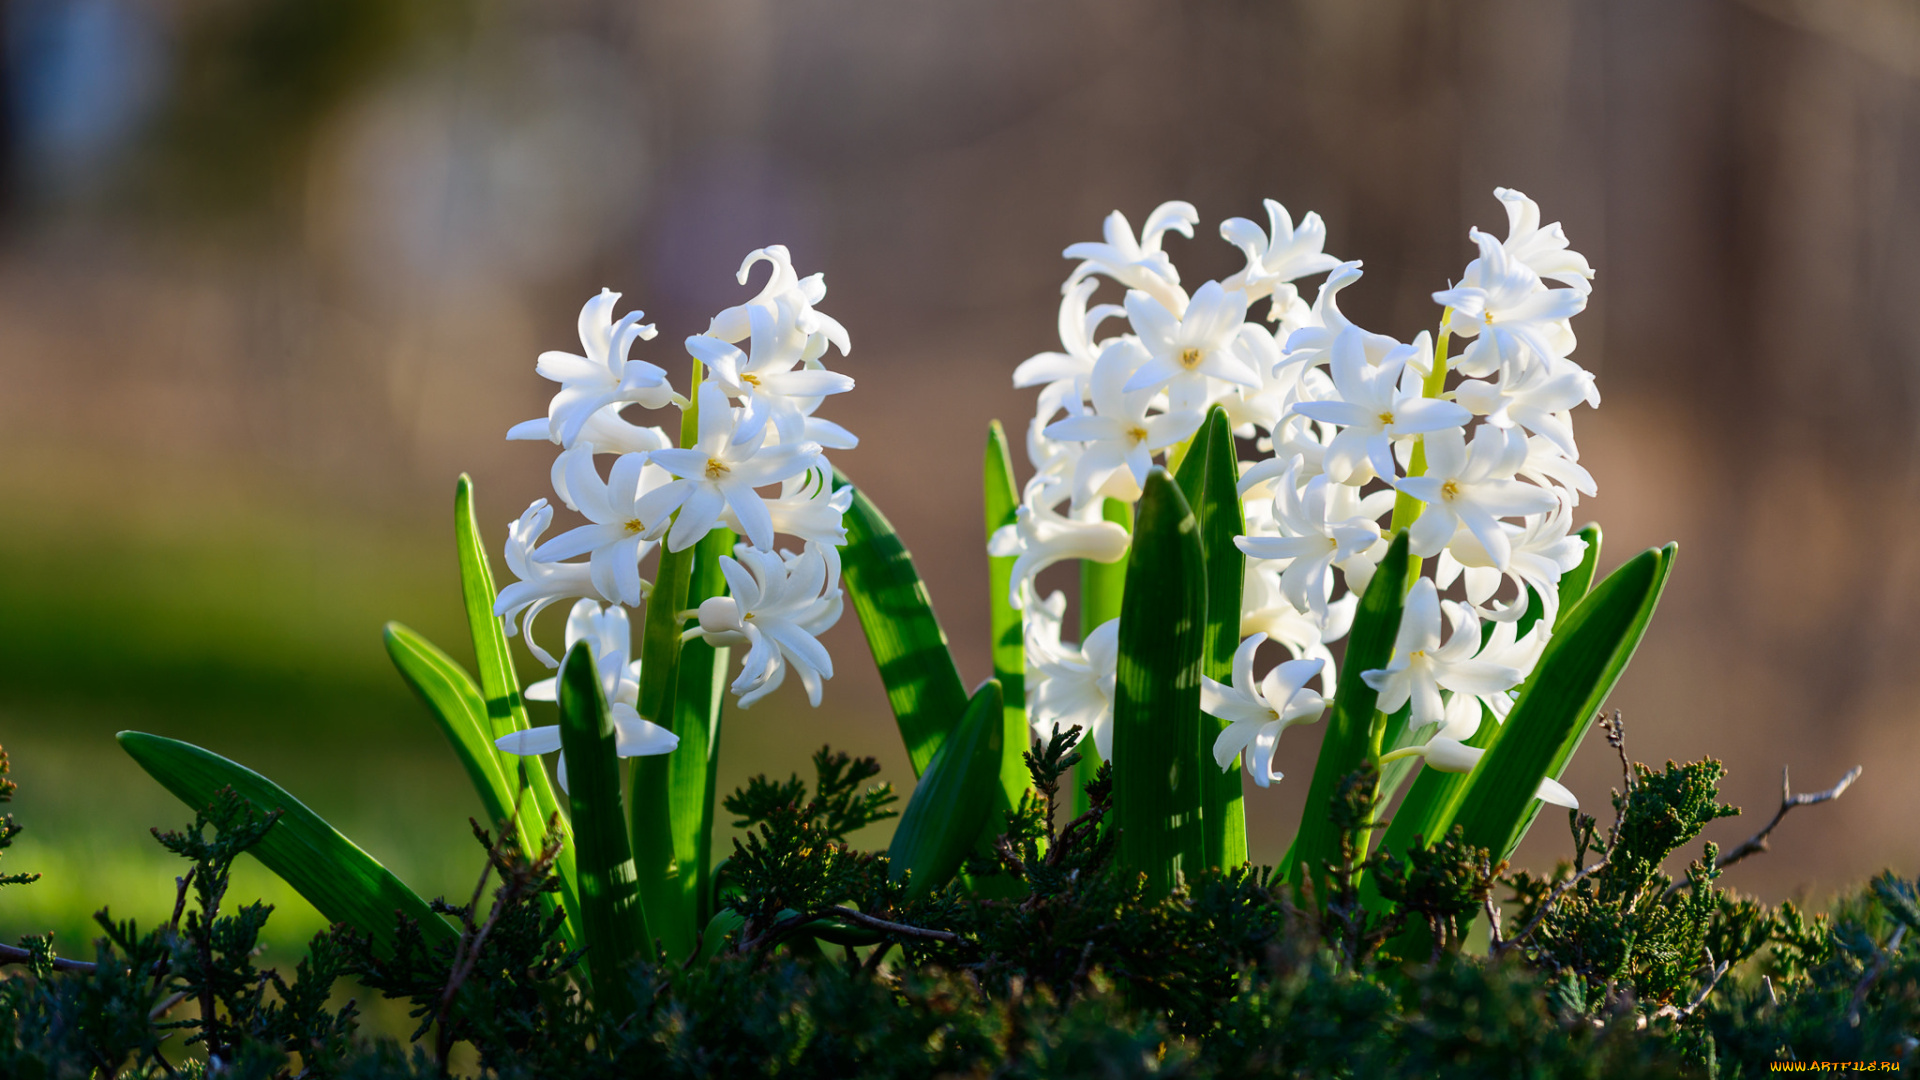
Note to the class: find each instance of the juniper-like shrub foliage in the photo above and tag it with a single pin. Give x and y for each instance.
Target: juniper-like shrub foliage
(1605, 967)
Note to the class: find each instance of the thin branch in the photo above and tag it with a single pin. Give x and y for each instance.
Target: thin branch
(1788, 800)
(1546, 906)
(12, 955)
(1757, 843)
(1699, 999)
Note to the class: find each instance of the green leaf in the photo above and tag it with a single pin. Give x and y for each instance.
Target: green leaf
(1002, 501)
(909, 648)
(698, 698)
(714, 937)
(1102, 586)
(1355, 727)
(1428, 810)
(334, 874)
(1209, 477)
(506, 711)
(954, 800)
(611, 911)
(461, 712)
(1574, 677)
(1158, 762)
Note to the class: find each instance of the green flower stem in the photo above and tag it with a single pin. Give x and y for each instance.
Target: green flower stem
(668, 888)
(1101, 587)
(1405, 507)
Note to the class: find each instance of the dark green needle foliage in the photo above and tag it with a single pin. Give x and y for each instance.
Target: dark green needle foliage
(819, 965)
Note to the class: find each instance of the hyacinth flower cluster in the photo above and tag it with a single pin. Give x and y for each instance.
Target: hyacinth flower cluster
(755, 467)
(1343, 436)
(1278, 518)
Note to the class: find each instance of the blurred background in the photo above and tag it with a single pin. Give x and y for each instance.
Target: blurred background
(274, 272)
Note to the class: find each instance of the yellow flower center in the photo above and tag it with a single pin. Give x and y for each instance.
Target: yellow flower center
(1386, 418)
(1189, 358)
(1489, 317)
(1450, 489)
(717, 468)
(1137, 434)
(635, 526)
(1273, 713)
(750, 379)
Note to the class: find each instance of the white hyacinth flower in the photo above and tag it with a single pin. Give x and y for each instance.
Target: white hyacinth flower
(1379, 403)
(1119, 435)
(1079, 340)
(1540, 552)
(1277, 256)
(1256, 714)
(541, 583)
(1451, 755)
(1507, 647)
(1472, 488)
(1068, 685)
(621, 532)
(1040, 536)
(610, 638)
(1187, 351)
(1310, 539)
(1138, 263)
(783, 284)
(1513, 318)
(1421, 666)
(1543, 249)
(604, 376)
(717, 473)
(779, 605)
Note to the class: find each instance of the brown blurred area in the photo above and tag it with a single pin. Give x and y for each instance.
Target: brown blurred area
(273, 272)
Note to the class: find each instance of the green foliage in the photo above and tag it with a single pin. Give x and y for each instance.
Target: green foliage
(1575, 674)
(332, 872)
(954, 799)
(8, 828)
(1611, 969)
(1354, 725)
(1158, 751)
(1209, 477)
(613, 913)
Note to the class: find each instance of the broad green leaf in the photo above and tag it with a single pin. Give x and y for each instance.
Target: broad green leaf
(954, 800)
(1102, 585)
(1158, 761)
(1002, 500)
(1574, 677)
(1429, 807)
(909, 648)
(612, 914)
(461, 712)
(500, 688)
(1209, 477)
(1355, 727)
(332, 872)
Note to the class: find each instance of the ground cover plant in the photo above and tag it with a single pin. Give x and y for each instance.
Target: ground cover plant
(1068, 888)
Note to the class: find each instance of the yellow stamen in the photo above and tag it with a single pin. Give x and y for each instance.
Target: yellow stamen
(1189, 358)
(750, 380)
(717, 468)
(635, 526)
(1386, 418)
(1137, 434)
(1450, 489)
